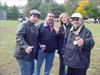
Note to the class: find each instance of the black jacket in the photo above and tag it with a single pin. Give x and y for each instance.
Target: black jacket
(62, 38)
(48, 38)
(75, 56)
(26, 35)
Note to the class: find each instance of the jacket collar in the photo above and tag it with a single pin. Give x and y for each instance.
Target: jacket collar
(77, 31)
(31, 24)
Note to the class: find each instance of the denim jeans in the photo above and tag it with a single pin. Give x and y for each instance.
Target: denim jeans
(49, 58)
(25, 67)
(35, 65)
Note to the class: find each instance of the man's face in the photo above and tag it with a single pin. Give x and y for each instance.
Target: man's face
(34, 18)
(50, 18)
(76, 21)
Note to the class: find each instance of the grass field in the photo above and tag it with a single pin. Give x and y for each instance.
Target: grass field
(8, 65)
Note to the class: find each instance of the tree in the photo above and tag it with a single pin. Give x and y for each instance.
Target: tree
(26, 10)
(3, 7)
(34, 4)
(57, 9)
(44, 7)
(81, 8)
(31, 4)
(70, 6)
(13, 13)
(54, 7)
(92, 10)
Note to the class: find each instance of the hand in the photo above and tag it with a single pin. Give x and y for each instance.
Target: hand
(80, 42)
(43, 47)
(29, 49)
(56, 29)
(60, 53)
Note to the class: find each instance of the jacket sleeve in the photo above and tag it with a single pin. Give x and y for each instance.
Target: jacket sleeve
(88, 41)
(20, 34)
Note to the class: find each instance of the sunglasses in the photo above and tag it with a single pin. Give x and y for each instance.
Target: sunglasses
(75, 19)
(51, 16)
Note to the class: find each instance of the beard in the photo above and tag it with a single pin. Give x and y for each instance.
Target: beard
(76, 25)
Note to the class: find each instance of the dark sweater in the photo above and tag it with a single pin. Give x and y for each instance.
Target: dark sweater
(48, 38)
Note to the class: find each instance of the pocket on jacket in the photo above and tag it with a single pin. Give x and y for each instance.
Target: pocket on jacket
(72, 56)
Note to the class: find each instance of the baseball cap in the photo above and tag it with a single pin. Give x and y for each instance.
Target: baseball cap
(77, 15)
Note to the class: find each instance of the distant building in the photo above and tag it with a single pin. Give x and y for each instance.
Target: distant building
(3, 15)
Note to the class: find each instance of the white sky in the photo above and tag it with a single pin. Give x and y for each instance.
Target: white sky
(21, 2)
(14, 2)
(59, 1)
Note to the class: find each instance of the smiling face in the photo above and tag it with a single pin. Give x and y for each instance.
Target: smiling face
(76, 21)
(34, 18)
(63, 18)
(50, 18)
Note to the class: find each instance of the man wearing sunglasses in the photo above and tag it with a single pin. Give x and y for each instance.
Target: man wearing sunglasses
(78, 47)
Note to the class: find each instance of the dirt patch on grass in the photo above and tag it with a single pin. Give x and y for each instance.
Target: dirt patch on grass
(8, 69)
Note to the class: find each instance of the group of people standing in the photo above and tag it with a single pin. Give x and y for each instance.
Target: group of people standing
(36, 44)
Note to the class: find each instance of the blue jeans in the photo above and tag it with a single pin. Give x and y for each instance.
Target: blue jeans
(25, 67)
(49, 58)
(35, 65)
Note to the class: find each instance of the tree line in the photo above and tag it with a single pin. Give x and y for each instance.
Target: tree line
(12, 12)
(86, 8)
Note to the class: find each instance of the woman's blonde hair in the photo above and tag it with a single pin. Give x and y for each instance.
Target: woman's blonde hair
(63, 14)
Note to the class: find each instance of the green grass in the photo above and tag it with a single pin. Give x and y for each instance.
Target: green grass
(95, 29)
(8, 64)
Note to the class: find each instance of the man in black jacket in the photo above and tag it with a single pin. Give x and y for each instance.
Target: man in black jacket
(78, 47)
(48, 44)
(26, 43)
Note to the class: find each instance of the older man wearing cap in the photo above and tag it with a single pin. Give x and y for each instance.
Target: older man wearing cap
(26, 43)
(78, 47)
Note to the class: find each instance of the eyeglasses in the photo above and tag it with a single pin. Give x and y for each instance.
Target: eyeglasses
(75, 19)
(50, 16)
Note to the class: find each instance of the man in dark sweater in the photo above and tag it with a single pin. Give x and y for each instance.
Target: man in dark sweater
(48, 44)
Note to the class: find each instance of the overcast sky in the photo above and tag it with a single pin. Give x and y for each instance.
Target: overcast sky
(21, 2)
